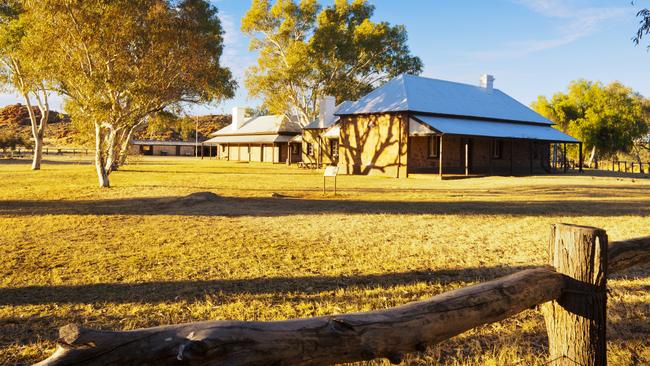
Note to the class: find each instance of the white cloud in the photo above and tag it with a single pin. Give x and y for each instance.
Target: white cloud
(574, 23)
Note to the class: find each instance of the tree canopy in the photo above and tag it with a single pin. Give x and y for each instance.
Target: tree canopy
(117, 62)
(607, 118)
(21, 70)
(306, 52)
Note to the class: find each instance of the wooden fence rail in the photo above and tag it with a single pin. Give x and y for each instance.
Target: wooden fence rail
(572, 290)
(49, 151)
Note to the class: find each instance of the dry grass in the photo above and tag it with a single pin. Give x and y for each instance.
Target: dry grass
(136, 255)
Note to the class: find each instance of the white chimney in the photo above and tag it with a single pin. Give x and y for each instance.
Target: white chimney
(238, 118)
(487, 81)
(327, 108)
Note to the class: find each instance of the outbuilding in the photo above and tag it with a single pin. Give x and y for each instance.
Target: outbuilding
(263, 139)
(164, 148)
(414, 124)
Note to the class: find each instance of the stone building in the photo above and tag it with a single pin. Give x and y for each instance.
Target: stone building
(164, 148)
(414, 124)
(263, 138)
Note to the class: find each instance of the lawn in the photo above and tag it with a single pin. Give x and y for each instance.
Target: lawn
(270, 245)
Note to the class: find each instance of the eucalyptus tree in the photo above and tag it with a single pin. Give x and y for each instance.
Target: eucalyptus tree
(117, 62)
(23, 71)
(306, 52)
(607, 118)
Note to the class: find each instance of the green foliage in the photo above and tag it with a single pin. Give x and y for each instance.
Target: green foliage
(9, 141)
(168, 126)
(118, 62)
(306, 52)
(644, 26)
(610, 118)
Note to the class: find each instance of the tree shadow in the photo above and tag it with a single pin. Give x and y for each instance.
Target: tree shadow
(191, 290)
(210, 204)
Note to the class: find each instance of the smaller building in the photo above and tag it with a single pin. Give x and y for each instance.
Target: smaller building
(261, 139)
(164, 148)
(321, 138)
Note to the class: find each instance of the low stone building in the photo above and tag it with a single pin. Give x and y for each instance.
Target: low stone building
(164, 148)
(263, 139)
(413, 124)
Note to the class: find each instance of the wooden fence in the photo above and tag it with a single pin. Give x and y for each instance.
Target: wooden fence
(624, 166)
(49, 151)
(571, 291)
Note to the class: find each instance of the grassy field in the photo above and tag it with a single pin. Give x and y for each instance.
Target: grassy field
(139, 254)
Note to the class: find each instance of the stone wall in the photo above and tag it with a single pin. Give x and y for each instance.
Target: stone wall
(321, 148)
(374, 144)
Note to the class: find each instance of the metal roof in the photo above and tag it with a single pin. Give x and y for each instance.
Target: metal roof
(472, 127)
(318, 124)
(333, 132)
(164, 143)
(409, 93)
(263, 124)
(248, 139)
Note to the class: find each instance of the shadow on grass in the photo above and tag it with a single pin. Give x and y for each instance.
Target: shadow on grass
(210, 204)
(156, 292)
(28, 161)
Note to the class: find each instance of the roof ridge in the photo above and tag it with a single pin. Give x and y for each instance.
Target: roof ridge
(447, 81)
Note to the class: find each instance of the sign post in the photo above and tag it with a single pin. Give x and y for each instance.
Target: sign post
(330, 171)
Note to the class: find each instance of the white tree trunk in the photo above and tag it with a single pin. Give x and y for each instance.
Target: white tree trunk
(100, 157)
(592, 156)
(38, 152)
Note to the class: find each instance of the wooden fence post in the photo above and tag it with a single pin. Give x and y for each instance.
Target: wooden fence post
(576, 321)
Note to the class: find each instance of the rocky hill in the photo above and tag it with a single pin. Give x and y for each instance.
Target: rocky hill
(60, 132)
(14, 120)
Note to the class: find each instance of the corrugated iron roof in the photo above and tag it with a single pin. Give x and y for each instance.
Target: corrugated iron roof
(164, 143)
(263, 124)
(318, 124)
(499, 129)
(424, 95)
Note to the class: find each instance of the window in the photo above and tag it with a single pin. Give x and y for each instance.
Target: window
(497, 149)
(294, 149)
(334, 148)
(433, 146)
(310, 149)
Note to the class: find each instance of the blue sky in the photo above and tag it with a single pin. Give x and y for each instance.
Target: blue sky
(532, 47)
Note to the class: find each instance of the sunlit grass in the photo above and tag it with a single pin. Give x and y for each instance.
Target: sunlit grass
(137, 255)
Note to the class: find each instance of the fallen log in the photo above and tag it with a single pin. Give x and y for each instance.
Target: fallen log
(628, 253)
(325, 340)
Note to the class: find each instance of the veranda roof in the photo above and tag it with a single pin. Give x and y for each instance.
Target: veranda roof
(497, 129)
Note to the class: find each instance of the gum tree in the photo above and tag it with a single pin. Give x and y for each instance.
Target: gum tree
(23, 70)
(118, 62)
(607, 118)
(306, 52)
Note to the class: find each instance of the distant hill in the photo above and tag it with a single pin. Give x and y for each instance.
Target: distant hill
(60, 132)
(14, 120)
